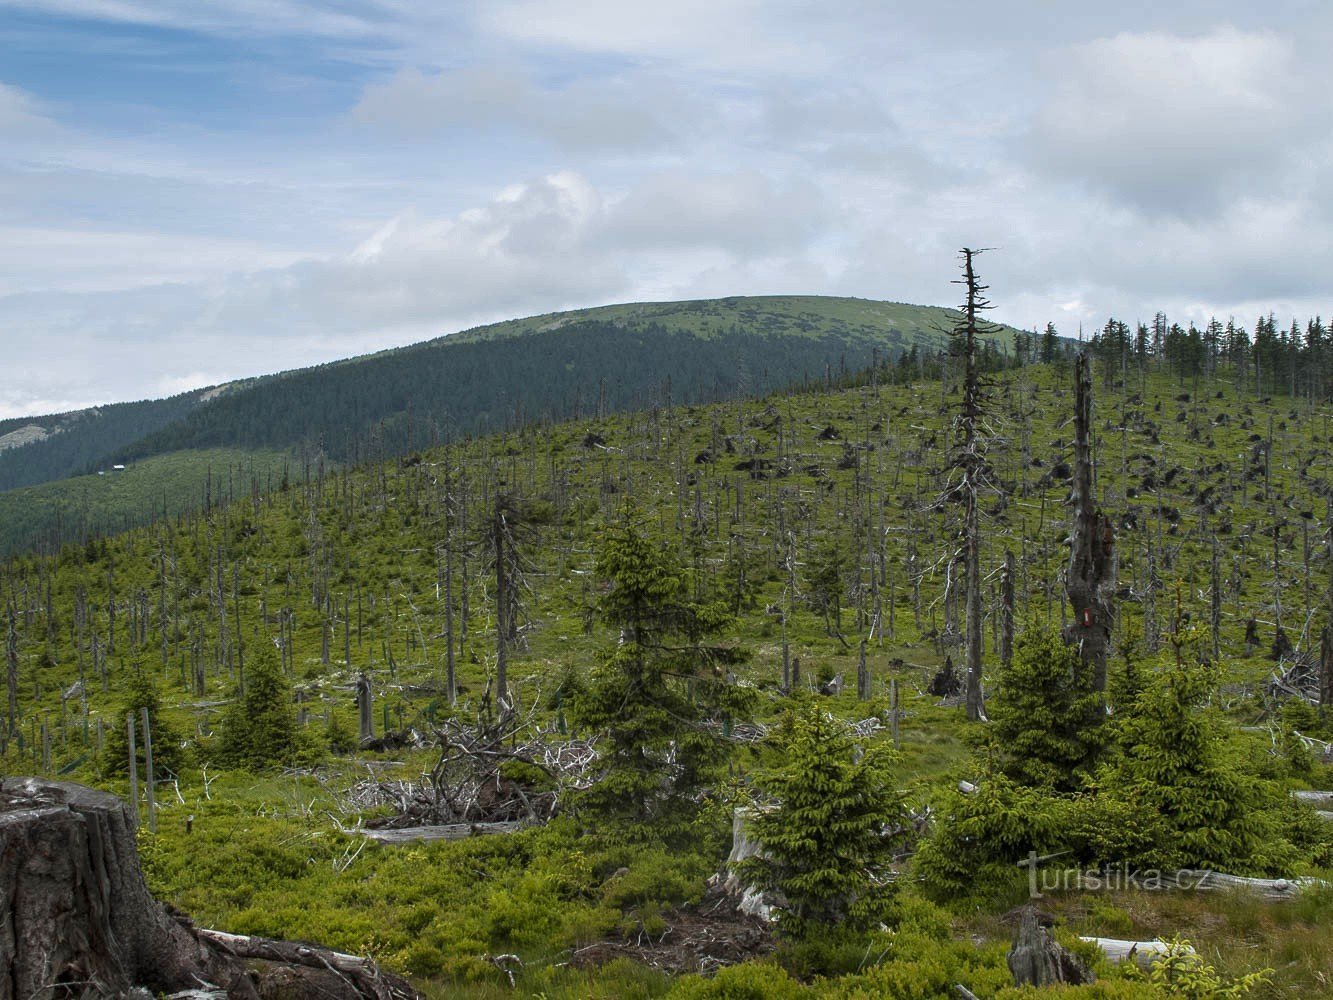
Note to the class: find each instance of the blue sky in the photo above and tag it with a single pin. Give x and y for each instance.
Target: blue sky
(197, 190)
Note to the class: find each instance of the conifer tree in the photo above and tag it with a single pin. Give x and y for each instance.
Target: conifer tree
(653, 694)
(825, 818)
(259, 728)
(1047, 718)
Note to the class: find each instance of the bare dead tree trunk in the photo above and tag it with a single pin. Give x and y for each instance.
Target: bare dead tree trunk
(501, 607)
(12, 673)
(1007, 611)
(1326, 672)
(1091, 578)
(971, 461)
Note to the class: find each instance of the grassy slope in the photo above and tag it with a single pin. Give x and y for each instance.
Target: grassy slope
(375, 534)
(107, 503)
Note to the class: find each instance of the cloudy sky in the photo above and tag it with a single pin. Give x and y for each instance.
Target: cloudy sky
(196, 190)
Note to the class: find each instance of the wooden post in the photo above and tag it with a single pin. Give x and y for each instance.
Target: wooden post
(134, 770)
(148, 772)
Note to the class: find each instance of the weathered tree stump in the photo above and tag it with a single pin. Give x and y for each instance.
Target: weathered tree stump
(1037, 959)
(79, 920)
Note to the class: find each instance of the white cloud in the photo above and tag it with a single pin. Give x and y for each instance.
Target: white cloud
(19, 112)
(1170, 123)
(632, 111)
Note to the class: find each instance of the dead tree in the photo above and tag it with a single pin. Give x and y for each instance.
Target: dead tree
(969, 460)
(1090, 582)
(1037, 959)
(1326, 671)
(1007, 611)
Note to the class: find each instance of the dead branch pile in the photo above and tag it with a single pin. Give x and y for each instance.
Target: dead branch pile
(501, 768)
(1296, 676)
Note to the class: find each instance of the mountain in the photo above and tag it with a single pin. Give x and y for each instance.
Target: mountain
(556, 366)
(548, 367)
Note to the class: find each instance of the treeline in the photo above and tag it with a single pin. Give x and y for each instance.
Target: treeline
(1295, 361)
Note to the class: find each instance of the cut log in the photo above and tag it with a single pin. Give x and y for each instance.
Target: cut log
(1143, 953)
(79, 920)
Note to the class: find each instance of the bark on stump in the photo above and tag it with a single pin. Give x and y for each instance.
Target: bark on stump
(77, 919)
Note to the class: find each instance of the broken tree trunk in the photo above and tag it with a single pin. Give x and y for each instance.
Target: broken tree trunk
(1091, 578)
(81, 922)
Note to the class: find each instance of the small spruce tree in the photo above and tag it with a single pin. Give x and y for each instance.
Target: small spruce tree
(259, 728)
(828, 818)
(1047, 720)
(653, 693)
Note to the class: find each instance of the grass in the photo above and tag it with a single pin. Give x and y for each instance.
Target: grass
(112, 501)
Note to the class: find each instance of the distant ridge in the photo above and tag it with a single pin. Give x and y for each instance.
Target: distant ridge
(552, 366)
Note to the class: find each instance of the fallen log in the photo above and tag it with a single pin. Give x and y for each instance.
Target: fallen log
(1143, 953)
(1274, 890)
(1320, 800)
(80, 921)
(447, 831)
(361, 974)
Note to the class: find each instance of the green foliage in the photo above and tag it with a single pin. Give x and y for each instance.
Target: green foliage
(1186, 781)
(1046, 719)
(825, 818)
(168, 754)
(1180, 972)
(654, 692)
(979, 838)
(740, 982)
(259, 728)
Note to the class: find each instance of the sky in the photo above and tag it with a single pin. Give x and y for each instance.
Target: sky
(193, 191)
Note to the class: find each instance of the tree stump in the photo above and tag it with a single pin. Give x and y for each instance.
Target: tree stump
(1037, 959)
(79, 920)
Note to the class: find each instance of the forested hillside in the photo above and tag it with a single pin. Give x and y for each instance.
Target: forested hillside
(557, 366)
(646, 620)
(67, 444)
